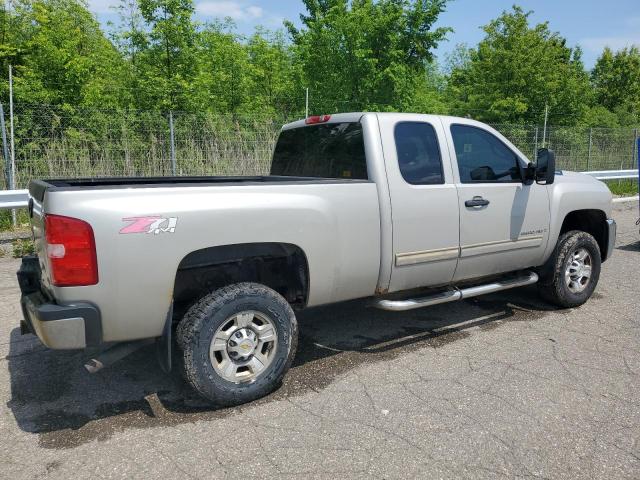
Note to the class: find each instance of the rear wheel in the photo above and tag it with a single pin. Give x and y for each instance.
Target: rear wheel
(575, 270)
(238, 342)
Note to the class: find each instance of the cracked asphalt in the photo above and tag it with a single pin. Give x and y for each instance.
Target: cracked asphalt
(497, 386)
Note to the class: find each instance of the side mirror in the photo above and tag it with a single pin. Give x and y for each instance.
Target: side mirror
(545, 166)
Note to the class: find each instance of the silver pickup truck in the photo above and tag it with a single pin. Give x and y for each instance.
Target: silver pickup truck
(411, 210)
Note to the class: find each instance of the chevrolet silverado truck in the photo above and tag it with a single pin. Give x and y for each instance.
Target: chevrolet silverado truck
(410, 210)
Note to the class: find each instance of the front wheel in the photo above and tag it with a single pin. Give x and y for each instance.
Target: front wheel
(575, 270)
(238, 342)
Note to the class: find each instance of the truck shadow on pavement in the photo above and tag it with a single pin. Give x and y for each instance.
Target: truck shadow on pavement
(53, 396)
(630, 247)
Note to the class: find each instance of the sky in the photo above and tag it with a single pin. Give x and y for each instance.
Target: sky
(592, 24)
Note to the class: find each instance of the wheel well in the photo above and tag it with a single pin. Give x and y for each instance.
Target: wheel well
(590, 221)
(280, 266)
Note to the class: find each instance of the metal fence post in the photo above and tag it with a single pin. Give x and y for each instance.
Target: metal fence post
(535, 145)
(636, 140)
(633, 152)
(173, 144)
(544, 131)
(5, 150)
(12, 184)
(306, 103)
(590, 144)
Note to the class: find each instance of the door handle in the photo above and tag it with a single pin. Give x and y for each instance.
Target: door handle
(476, 202)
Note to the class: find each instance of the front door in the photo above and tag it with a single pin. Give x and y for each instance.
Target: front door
(424, 201)
(504, 223)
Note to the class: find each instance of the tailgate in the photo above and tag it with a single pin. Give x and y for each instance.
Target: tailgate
(37, 190)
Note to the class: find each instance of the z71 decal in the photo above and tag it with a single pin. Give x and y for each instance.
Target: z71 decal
(150, 224)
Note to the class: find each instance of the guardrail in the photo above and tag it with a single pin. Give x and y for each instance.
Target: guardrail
(613, 174)
(20, 198)
(13, 199)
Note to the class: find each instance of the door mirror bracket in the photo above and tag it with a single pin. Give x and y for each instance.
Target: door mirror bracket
(528, 173)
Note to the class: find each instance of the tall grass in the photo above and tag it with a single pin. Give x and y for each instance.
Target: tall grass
(623, 187)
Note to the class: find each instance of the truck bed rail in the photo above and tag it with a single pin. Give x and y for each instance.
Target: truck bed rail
(10, 199)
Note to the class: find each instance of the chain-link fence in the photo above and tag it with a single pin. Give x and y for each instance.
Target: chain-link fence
(54, 142)
(578, 148)
(51, 143)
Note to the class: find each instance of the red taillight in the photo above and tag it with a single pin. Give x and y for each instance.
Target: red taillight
(71, 250)
(317, 119)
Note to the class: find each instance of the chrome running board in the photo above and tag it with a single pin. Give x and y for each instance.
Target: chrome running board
(454, 294)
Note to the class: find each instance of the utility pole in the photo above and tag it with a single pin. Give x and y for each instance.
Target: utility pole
(13, 144)
(306, 103)
(544, 129)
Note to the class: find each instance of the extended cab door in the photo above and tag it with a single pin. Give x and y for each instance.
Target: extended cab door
(504, 223)
(424, 202)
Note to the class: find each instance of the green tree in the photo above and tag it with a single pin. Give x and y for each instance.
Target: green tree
(458, 59)
(166, 60)
(131, 40)
(517, 69)
(11, 29)
(221, 82)
(428, 91)
(366, 54)
(616, 80)
(60, 55)
(276, 83)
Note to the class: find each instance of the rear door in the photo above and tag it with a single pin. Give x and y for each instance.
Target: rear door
(424, 201)
(504, 223)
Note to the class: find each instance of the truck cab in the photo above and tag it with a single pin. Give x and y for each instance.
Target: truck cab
(457, 199)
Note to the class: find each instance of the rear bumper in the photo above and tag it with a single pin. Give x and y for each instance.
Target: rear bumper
(58, 326)
(611, 237)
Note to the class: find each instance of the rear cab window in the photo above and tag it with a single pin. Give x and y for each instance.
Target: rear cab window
(330, 150)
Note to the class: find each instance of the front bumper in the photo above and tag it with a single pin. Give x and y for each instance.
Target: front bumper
(611, 238)
(58, 326)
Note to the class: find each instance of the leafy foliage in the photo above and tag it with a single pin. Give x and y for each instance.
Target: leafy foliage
(59, 53)
(166, 66)
(616, 80)
(516, 70)
(22, 248)
(368, 55)
(350, 54)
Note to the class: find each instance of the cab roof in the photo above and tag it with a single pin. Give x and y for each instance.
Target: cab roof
(356, 116)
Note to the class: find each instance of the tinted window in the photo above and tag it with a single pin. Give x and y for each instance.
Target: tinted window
(418, 153)
(333, 150)
(482, 157)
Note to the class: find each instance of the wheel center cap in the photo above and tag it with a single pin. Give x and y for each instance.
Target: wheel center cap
(242, 343)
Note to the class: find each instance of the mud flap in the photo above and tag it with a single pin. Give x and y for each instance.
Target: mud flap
(164, 343)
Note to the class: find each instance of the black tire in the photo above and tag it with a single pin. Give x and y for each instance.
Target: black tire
(197, 328)
(552, 286)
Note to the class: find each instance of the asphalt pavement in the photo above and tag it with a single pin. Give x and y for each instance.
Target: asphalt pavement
(498, 386)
